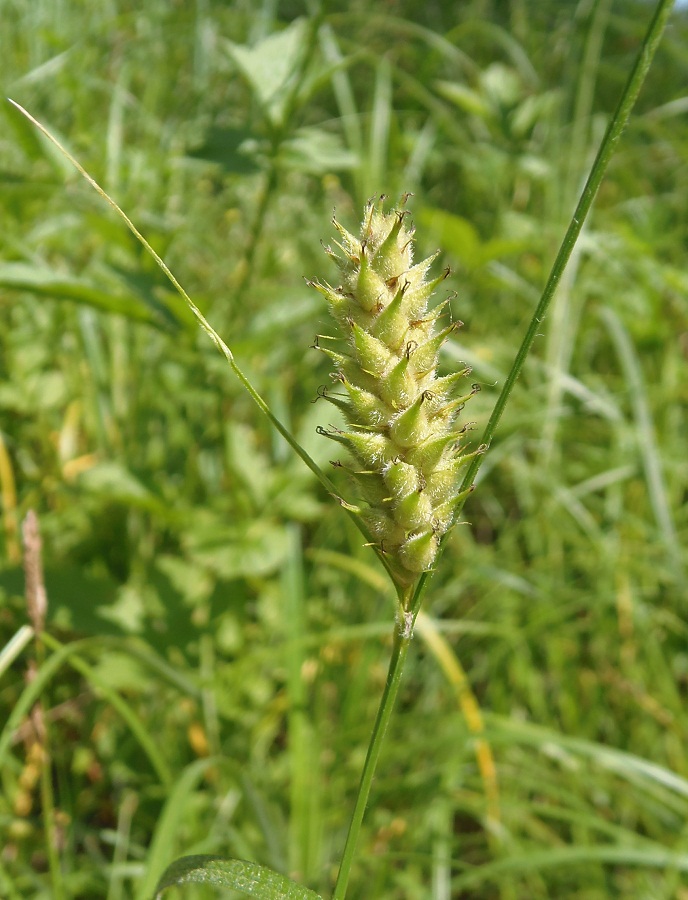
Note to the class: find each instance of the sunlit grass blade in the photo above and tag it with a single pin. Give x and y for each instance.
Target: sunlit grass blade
(15, 647)
(628, 766)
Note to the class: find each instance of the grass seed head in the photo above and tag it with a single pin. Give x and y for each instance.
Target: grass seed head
(402, 432)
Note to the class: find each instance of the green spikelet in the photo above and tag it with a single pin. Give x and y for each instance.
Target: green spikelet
(401, 430)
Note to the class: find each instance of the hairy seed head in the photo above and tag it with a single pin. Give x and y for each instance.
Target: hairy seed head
(402, 433)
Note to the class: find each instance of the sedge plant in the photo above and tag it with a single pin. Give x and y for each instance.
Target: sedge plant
(404, 436)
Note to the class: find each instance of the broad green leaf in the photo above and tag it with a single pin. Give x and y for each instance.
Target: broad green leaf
(247, 877)
(269, 67)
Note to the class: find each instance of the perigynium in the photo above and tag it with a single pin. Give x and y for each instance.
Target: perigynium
(402, 433)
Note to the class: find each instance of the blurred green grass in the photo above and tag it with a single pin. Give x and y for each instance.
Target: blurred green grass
(193, 555)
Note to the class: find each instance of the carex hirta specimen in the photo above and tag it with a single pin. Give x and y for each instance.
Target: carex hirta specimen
(402, 432)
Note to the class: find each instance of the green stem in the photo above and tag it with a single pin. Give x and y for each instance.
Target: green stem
(277, 139)
(402, 641)
(258, 225)
(47, 792)
(49, 828)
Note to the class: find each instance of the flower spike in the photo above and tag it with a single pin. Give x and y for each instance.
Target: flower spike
(401, 432)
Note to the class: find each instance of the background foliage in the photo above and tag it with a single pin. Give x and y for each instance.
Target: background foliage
(211, 584)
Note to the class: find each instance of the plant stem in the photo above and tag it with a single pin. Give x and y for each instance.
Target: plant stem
(402, 641)
(278, 136)
(49, 827)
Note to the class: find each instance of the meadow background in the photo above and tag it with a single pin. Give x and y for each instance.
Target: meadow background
(229, 634)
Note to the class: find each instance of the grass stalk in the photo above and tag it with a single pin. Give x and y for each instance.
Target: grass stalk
(39, 744)
(48, 815)
(278, 137)
(400, 647)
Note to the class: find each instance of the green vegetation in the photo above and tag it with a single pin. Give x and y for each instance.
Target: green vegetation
(217, 634)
